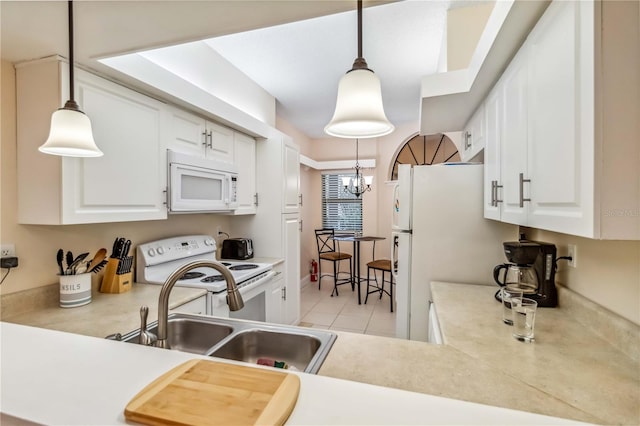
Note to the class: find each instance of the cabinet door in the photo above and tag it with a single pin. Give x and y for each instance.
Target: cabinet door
(492, 179)
(513, 152)
(186, 132)
(561, 172)
(291, 161)
(220, 142)
(245, 160)
(274, 300)
(291, 231)
(474, 135)
(127, 183)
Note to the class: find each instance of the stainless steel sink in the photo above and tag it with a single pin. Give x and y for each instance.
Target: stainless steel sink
(250, 345)
(188, 334)
(245, 341)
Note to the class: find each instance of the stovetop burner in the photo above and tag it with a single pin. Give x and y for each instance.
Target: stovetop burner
(243, 267)
(191, 276)
(212, 279)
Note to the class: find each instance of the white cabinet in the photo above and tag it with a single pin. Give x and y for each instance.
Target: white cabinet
(274, 233)
(126, 184)
(473, 136)
(506, 145)
(563, 153)
(291, 240)
(245, 161)
(274, 298)
(292, 198)
(193, 134)
(196, 306)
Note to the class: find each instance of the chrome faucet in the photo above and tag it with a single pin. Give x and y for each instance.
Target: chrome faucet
(234, 298)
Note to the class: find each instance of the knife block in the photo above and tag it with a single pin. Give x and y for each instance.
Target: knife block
(114, 283)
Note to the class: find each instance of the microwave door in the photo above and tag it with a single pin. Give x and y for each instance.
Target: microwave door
(196, 189)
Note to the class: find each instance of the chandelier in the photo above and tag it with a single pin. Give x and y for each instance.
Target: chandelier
(359, 183)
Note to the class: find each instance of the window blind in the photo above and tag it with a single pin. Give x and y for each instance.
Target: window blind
(341, 210)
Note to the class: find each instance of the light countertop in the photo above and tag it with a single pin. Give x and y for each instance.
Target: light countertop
(51, 377)
(107, 313)
(568, 372)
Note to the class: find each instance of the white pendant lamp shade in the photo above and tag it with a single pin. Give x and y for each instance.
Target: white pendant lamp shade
(70, 135)
(359, 111)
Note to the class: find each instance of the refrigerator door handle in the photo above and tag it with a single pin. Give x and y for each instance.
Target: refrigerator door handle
(394, 256)
(395, 212)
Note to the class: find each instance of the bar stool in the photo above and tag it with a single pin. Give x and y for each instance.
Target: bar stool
(327, 251)
(383, 265)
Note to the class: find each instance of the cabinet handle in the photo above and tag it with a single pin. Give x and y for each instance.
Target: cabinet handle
(255, 199)
(210, 145)
(205, 135)
(522, 182)
(493, 193)
(300, 199)
(467, 138)
(165, 191)
(284, 293)
(497, 200)
(300, 225)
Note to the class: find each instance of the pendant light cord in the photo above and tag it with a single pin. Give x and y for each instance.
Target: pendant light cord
(71, 89)
(359, 63)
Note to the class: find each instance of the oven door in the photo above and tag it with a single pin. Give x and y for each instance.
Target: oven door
(254, 296)
(194, 189)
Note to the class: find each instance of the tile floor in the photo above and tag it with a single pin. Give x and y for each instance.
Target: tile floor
(319, 310)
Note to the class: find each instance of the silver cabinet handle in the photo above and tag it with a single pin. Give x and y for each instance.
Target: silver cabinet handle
(522, 182)
(205, 136)
(493, 192)
(255, 199)
(210, 145)
(300, 225)
(467, 138)
(300, 199)
(284, 293)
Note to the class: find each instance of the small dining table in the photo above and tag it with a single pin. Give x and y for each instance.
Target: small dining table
(357, 239)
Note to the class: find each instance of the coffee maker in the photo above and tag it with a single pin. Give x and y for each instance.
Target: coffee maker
(533, 268)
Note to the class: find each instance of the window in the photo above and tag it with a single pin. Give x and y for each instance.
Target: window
(341, 210)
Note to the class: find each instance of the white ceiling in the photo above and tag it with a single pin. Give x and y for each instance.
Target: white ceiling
(301, 63)
(298, 56)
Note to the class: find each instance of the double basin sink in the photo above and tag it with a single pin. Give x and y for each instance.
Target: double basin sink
(247, 341)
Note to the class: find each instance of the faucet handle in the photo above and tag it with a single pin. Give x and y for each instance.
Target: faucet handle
(146, 338)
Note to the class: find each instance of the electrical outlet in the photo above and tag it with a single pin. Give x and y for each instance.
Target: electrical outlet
(572, 251)
(7, 250)
(218, 230)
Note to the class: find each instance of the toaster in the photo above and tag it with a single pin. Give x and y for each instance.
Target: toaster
(237, 248)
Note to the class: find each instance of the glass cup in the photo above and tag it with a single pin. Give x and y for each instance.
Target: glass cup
(524, 317)
(509, 292)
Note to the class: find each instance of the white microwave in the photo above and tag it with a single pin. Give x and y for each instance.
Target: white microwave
(198, 184)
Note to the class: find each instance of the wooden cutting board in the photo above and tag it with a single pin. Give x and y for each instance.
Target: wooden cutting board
(202, 392)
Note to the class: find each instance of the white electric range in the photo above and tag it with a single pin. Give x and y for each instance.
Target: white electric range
(156, 260)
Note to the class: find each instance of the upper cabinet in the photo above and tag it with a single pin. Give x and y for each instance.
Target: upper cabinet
(193, 134)
(473, 135)
(562, 125)
(126, 184)
(245, 160)
(292, 198)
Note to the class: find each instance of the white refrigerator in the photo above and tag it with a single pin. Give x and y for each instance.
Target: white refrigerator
(439, 234)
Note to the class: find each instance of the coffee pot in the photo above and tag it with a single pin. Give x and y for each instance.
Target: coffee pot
(532, 267)
(522, 276)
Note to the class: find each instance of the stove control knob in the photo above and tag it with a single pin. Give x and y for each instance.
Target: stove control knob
(151, 252)
(160, 250)
(208, 242)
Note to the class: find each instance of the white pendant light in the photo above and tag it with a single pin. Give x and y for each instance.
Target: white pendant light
(359, 111)
(70, 134)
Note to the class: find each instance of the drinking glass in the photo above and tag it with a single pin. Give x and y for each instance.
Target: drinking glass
(524, 317)
(509, 292)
